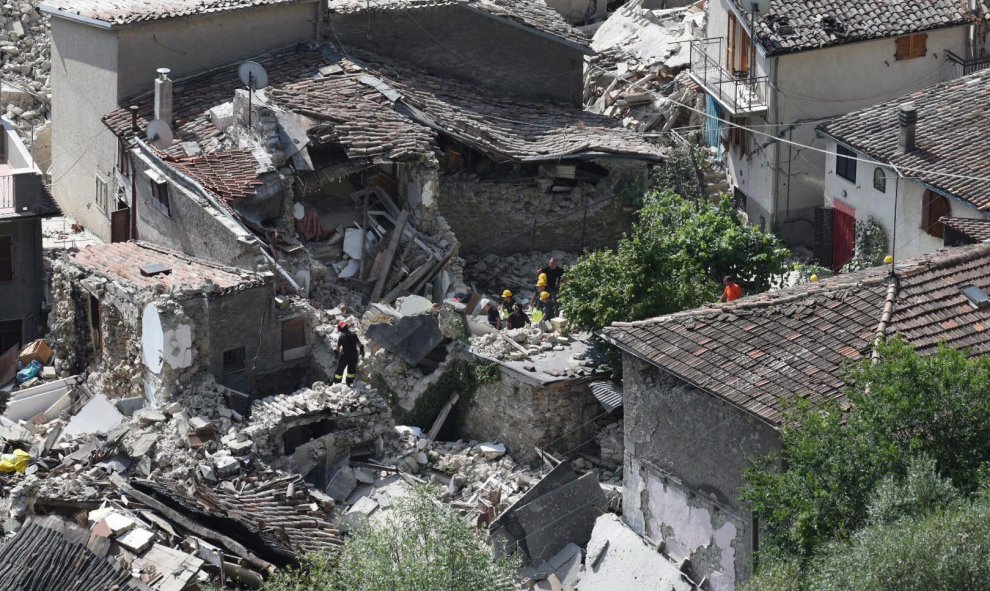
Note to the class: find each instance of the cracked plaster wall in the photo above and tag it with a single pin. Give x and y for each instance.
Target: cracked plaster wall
(685, 452)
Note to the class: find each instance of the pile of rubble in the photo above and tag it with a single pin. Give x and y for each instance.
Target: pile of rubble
(638, 74)
(24, 46)
(516, 272)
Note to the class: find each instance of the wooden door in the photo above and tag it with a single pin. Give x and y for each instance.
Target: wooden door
(843, 237)
(120, 225)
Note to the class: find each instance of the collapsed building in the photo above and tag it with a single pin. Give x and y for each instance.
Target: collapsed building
(146, 320)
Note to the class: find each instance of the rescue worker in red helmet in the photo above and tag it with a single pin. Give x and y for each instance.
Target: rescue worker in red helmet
(348, 345)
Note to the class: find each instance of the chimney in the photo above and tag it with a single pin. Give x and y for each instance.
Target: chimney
(907, 116)
(163, 96)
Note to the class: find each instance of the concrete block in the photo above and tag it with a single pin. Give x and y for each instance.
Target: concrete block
(410, 338)
(137, 540)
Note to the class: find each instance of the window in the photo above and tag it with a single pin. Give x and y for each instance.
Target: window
(234, 360)
(934, 207)
(96, 332)
(293, 338)
(6, 259)
(845, 163)
(737, 136)
(159, 195)
(102, 194)
(911, 46)
(10, 335)
(123, 163)
(880, 180)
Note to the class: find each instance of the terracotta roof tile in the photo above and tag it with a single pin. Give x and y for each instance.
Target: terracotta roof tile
(122, 261)
(814, 24)
(230, 175)
(975, 230)
(953, 136)
(806, 336)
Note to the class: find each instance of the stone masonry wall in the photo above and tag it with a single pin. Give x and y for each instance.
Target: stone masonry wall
(557, 417)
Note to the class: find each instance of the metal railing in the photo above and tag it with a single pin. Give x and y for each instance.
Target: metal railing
(739, 92)
(969, 66)
(7, 201)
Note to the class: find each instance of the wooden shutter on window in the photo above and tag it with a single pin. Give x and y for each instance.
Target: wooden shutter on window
(934, 207)
(730, 44)
(911, 46)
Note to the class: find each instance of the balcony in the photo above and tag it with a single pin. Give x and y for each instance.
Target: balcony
(968, 66)
(737, 92)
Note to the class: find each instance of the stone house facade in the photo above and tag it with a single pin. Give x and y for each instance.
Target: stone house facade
(705, 390)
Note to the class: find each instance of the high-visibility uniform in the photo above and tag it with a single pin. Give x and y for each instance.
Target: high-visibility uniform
(348, 346)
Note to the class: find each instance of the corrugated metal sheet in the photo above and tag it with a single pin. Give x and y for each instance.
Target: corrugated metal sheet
(608, 393)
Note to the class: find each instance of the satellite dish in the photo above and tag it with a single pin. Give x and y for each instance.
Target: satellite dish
(160, 134)
(253, 75)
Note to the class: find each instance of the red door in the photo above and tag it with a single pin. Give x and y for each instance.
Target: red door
(843, 236)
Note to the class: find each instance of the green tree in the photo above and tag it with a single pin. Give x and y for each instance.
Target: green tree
(673, 258)
(906, 406)
(419, 545)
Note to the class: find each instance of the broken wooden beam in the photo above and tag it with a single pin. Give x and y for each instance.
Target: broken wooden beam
(393, 245)
(442, 417)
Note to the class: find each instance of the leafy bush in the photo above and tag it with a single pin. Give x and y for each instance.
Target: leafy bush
(673, 259)
(870, 246)
(905, 406)
(921, 491)
(420, 545)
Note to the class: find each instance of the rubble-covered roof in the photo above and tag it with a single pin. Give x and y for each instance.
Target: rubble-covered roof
(824, 23)
(975, 229)
(230, 175)
(534, 14)
(41, 557)
(123, 261)
(760, 351)
(356, 106)
(122, 12)
(952, 139)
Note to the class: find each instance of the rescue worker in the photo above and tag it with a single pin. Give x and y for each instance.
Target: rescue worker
(491, 312)
(518, 318)
(547, 306)
(732, 290)
(541, 287)
(348, 345)
(554, 272)
(505, 306)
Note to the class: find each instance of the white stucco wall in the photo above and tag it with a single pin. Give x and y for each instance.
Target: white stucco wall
(84, 66)
(868, 202)
(814, 86)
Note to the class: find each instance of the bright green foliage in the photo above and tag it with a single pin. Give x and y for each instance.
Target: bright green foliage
(921, 491)
(673, 258)
(420, 545)
(906, 406)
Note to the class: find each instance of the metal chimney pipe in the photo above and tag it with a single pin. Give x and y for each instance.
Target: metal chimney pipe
(134, 119)
(163, 96)
(907, 116)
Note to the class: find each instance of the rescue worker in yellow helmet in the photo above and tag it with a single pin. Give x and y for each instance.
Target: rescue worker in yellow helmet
(545, 309)
(505, 306)
(541, 287)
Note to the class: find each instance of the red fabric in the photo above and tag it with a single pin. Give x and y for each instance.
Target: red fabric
(732, 292)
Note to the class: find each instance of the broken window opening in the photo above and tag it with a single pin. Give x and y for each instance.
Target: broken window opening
(293, 338)
(6, 259)
(96, 333)
(11, 334)
(234, 360)
(159, 196)
(300, 435)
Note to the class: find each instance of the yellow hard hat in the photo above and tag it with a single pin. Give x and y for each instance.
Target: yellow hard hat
(506, 294)
(541, 283)
(814, 278)
(545, 296)
(542, 277)
(888, 259)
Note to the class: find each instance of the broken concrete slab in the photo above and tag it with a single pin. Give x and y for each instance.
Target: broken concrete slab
(412, 305)
(410, 338)
(137, 540)
(619, 560)
(28, 403)
(98, 415)
(564, 515)
(175, 568)
(143, 445)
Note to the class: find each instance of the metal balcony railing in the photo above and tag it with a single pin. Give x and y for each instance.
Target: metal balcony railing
(969, 66)
(738, 92)
(7, 201)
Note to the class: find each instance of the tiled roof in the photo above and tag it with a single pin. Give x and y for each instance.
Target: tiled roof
(761, 351)
(506, 127)
(974, 229)
(822, 23)
(41, 557)
(230, 175)
(122, 261)
(529, 13)
(366, 123)
(122, 12)
(953, 136)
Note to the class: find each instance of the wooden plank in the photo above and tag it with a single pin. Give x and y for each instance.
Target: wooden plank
(442, 417)
(393, 245)
(433, 271)
(408, 282)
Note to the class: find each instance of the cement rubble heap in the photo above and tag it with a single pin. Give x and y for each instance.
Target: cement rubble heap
(517, 272)
(27, 65)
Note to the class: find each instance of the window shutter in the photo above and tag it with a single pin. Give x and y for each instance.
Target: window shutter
(919, 45)
(903, 48)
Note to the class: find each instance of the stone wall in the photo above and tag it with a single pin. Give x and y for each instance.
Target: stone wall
(685, 450)
(524, 414)
(466, 44)
(522, 214)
